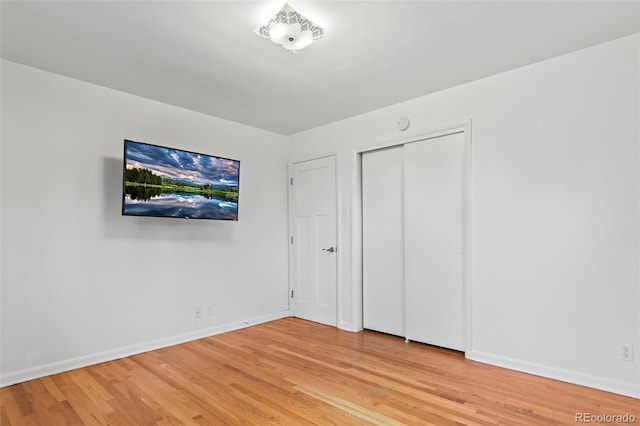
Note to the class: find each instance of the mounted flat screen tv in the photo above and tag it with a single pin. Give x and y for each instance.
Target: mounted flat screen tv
(169, 182)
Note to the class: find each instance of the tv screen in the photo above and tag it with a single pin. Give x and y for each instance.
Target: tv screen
(169, 182)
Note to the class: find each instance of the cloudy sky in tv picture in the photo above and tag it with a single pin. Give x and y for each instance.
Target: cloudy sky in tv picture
(183, 166)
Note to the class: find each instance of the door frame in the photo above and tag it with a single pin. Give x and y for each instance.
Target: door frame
(357, 249)
(290, 226)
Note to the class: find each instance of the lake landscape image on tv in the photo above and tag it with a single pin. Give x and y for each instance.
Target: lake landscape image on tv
(168, 182)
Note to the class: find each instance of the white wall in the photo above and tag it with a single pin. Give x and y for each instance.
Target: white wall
(555, 210)
(79, 282)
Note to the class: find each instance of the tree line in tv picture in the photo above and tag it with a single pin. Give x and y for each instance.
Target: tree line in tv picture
(143, 184)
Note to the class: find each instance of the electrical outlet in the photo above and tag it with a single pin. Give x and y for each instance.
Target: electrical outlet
(197, 312)
(627, 353)
(210, 310)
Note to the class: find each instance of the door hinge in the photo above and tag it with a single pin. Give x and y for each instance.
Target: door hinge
(291, 240)
(292, 294)
(291, 181)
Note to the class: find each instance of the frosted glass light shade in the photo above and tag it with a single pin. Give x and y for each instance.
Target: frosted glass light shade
(290, 30)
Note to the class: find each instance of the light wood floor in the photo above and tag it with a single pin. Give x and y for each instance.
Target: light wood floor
(294, 372)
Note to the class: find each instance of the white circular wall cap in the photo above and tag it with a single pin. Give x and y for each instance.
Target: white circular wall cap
(403, 123)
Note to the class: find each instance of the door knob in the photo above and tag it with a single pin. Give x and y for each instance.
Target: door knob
(330, 249)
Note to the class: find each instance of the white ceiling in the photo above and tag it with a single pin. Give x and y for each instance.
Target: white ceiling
(203, 55)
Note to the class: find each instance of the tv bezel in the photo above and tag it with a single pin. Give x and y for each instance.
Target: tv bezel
(124, 193)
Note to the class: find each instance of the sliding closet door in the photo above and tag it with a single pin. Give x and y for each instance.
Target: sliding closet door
(433, 188)
(383, 241)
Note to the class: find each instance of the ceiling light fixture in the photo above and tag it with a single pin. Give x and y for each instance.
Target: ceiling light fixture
(290, 30)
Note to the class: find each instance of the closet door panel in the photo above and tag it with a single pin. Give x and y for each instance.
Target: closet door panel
(383, 241)
(433, 183)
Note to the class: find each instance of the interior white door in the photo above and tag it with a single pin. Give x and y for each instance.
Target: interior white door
(314, 240)
(433, 187)
(382, 241)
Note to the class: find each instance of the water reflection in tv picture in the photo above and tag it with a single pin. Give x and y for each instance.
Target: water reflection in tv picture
(181, 205)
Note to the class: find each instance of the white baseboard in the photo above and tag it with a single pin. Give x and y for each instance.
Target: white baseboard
(601, 383)
(39, 371)
(346, 326)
